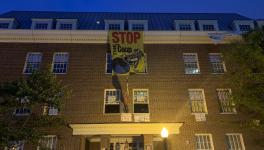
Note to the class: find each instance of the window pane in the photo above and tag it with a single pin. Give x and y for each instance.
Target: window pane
(114, 27)
(138, 27)
(226, 103)
(140, 99)
(4, 25)
(208, 28)
(109, 63)
(60, 62)
(112, 100)
(65, 26)
(191, 64)
(234, 142)
(41, 26)
(185, 27)
(33, 61)
(203, 142)
(48, 142)
(217, 64)
(197, 101)
(141, 108)
(244, 27)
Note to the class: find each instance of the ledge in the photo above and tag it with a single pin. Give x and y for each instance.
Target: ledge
(125, 128)
(100, 36)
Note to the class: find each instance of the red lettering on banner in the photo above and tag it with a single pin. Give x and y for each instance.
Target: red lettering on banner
(125, 37)
(115, 38)
(129, 37)
(136, 36)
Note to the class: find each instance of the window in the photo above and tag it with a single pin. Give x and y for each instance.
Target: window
(235, 141)
(208, 25)
(51, 111)
(4, 25)
(41, 24)
(60, 63)
(114, 25)
(184, 25)
(225, 101)
(112, 99)
(15, 145)
(260, 24)
(244, 27)
(217, 63)
(191, 63)
(23, 109)
(66, 24)
(48, 142)
(204, 142)
(7, 23)
(141, 100)
(33, 62)
(197, 101)
(137, 25)
(109, 67)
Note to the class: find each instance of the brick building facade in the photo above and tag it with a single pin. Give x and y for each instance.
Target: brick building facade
(184, 87)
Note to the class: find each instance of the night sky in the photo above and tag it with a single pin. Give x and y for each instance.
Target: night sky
(250, 8)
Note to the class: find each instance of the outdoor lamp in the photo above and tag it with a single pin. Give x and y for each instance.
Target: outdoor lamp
(164, 134)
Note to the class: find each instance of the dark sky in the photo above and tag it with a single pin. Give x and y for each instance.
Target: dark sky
(249, 8)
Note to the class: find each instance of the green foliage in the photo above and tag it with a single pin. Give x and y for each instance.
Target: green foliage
(246, 73)
(34, 91)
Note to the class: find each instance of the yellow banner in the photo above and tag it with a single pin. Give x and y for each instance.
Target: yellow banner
(127, 51)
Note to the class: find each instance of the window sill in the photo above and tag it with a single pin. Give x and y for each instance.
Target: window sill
(218, 73)
(228, 113)
(59, 73)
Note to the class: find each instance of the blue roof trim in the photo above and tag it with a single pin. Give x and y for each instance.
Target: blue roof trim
(156, 21)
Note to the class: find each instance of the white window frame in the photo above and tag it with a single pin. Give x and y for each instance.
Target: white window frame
(120, 22)
(41, 21)
(119, 101)
(147, 90)
(234, 111)
(204, 101)
(208, 22)
(53, 61)
(26, 61)
(177, 24)
(21, 147)
(22, 100)
(51, 111)
(260, 23)
(223, 63)
(54, 144)
(10, 21)
(66, 21)
(132, 22)
(210, 137)
(236, 24)
(198, 66)
(240, 140)
(106, 63)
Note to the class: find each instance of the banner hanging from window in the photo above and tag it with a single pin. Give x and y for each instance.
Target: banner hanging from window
(127, 51)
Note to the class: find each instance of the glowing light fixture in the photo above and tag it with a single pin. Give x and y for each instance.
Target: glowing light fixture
(164, 133)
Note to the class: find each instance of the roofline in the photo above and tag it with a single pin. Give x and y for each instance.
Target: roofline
(48, 11)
